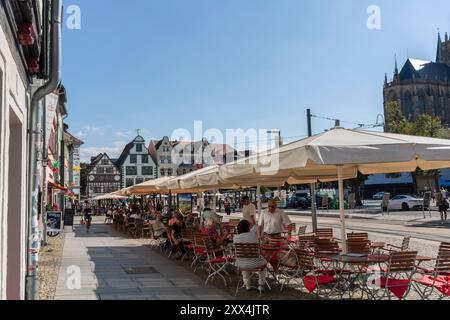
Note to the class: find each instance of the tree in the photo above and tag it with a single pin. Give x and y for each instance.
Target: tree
(425, 125)
(355, 185)
(395, 120)
(428, 126)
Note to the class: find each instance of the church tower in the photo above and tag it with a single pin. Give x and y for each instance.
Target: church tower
(443, 50)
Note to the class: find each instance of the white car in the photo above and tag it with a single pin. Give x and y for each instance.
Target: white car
(405, 203)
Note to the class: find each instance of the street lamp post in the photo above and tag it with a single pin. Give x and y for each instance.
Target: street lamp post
(280, 140)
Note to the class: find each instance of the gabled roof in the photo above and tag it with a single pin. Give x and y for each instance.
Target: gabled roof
(75, 140)
(126, 150)
(96, 160)
(125, 153)
(425, 70)
(408, 71)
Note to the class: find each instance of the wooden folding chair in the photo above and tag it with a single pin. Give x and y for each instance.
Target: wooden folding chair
(435, 281)
(313, 277)
(288, 230)
(325, 233)
(358, 246)
(404, 247)
(295, 237)
(358, 235)
(216, 262)
(324, 247)
(187, 235)
(396, 279)
(248, 252)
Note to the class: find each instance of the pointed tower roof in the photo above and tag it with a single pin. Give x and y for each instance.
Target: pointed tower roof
(439, 49)
(396, 66)
(385, 79)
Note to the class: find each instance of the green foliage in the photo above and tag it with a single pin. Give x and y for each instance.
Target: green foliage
(395, 120)
(425, 125)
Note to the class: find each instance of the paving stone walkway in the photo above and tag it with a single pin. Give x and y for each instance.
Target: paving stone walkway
(113, 267)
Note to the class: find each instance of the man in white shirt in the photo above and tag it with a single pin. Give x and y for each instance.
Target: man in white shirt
(272, 220)
(249, 211)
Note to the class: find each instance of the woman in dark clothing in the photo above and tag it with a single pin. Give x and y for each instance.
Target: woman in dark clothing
(87, 216)
(442, 204)
(176, 224)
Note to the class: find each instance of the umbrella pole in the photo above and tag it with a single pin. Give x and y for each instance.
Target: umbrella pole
(213, 202)
(342, 208)
(258, 197)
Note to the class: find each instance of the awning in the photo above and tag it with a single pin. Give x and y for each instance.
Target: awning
(57, 186)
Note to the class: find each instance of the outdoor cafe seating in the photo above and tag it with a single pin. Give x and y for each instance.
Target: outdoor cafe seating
(315, 263)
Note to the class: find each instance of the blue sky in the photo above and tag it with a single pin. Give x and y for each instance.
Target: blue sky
(160, 65)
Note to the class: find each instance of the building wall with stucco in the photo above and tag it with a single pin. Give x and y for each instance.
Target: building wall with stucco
(14, 99)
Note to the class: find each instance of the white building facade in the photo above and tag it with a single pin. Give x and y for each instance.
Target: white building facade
(15, 87)
(135, 163)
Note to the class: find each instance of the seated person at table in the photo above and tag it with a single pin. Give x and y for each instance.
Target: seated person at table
(245, 235)
(189, 220)
(177, 224)
(272, 221)
(209, 217)
(211, 231)
(159, 229)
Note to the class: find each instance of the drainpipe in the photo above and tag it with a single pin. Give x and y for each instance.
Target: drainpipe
(32, 278)
(44, 164)
(62, 171)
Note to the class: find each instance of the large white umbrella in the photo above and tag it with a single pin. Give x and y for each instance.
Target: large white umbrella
(149, 186)
(339, 154)
(110, 196)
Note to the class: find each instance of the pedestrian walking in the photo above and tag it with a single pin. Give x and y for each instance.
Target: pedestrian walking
(87, 216)
(249, 211)
(442, 203)
(227, 206)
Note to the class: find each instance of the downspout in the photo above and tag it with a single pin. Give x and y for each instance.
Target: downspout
(32, 278)
(62, 170)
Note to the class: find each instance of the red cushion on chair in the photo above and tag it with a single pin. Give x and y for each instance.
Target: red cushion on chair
(310, 281)
(441, 283)
(396, 286)
(190, 246)
(199, 250)
(431, 271)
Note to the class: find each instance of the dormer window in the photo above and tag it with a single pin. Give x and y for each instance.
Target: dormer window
(139, 147)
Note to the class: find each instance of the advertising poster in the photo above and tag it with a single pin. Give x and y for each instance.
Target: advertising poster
(53, 220)
(185, 203)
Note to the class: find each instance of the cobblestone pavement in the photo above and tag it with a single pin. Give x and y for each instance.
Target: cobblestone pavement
(112, 267)
(49, 262)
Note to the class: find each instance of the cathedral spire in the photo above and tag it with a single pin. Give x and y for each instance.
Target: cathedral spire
(439, 49)
(396, 67)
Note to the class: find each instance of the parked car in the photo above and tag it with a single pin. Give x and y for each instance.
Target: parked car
(378, 196)
(303, 201)
(405, 203)
(298, 202)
